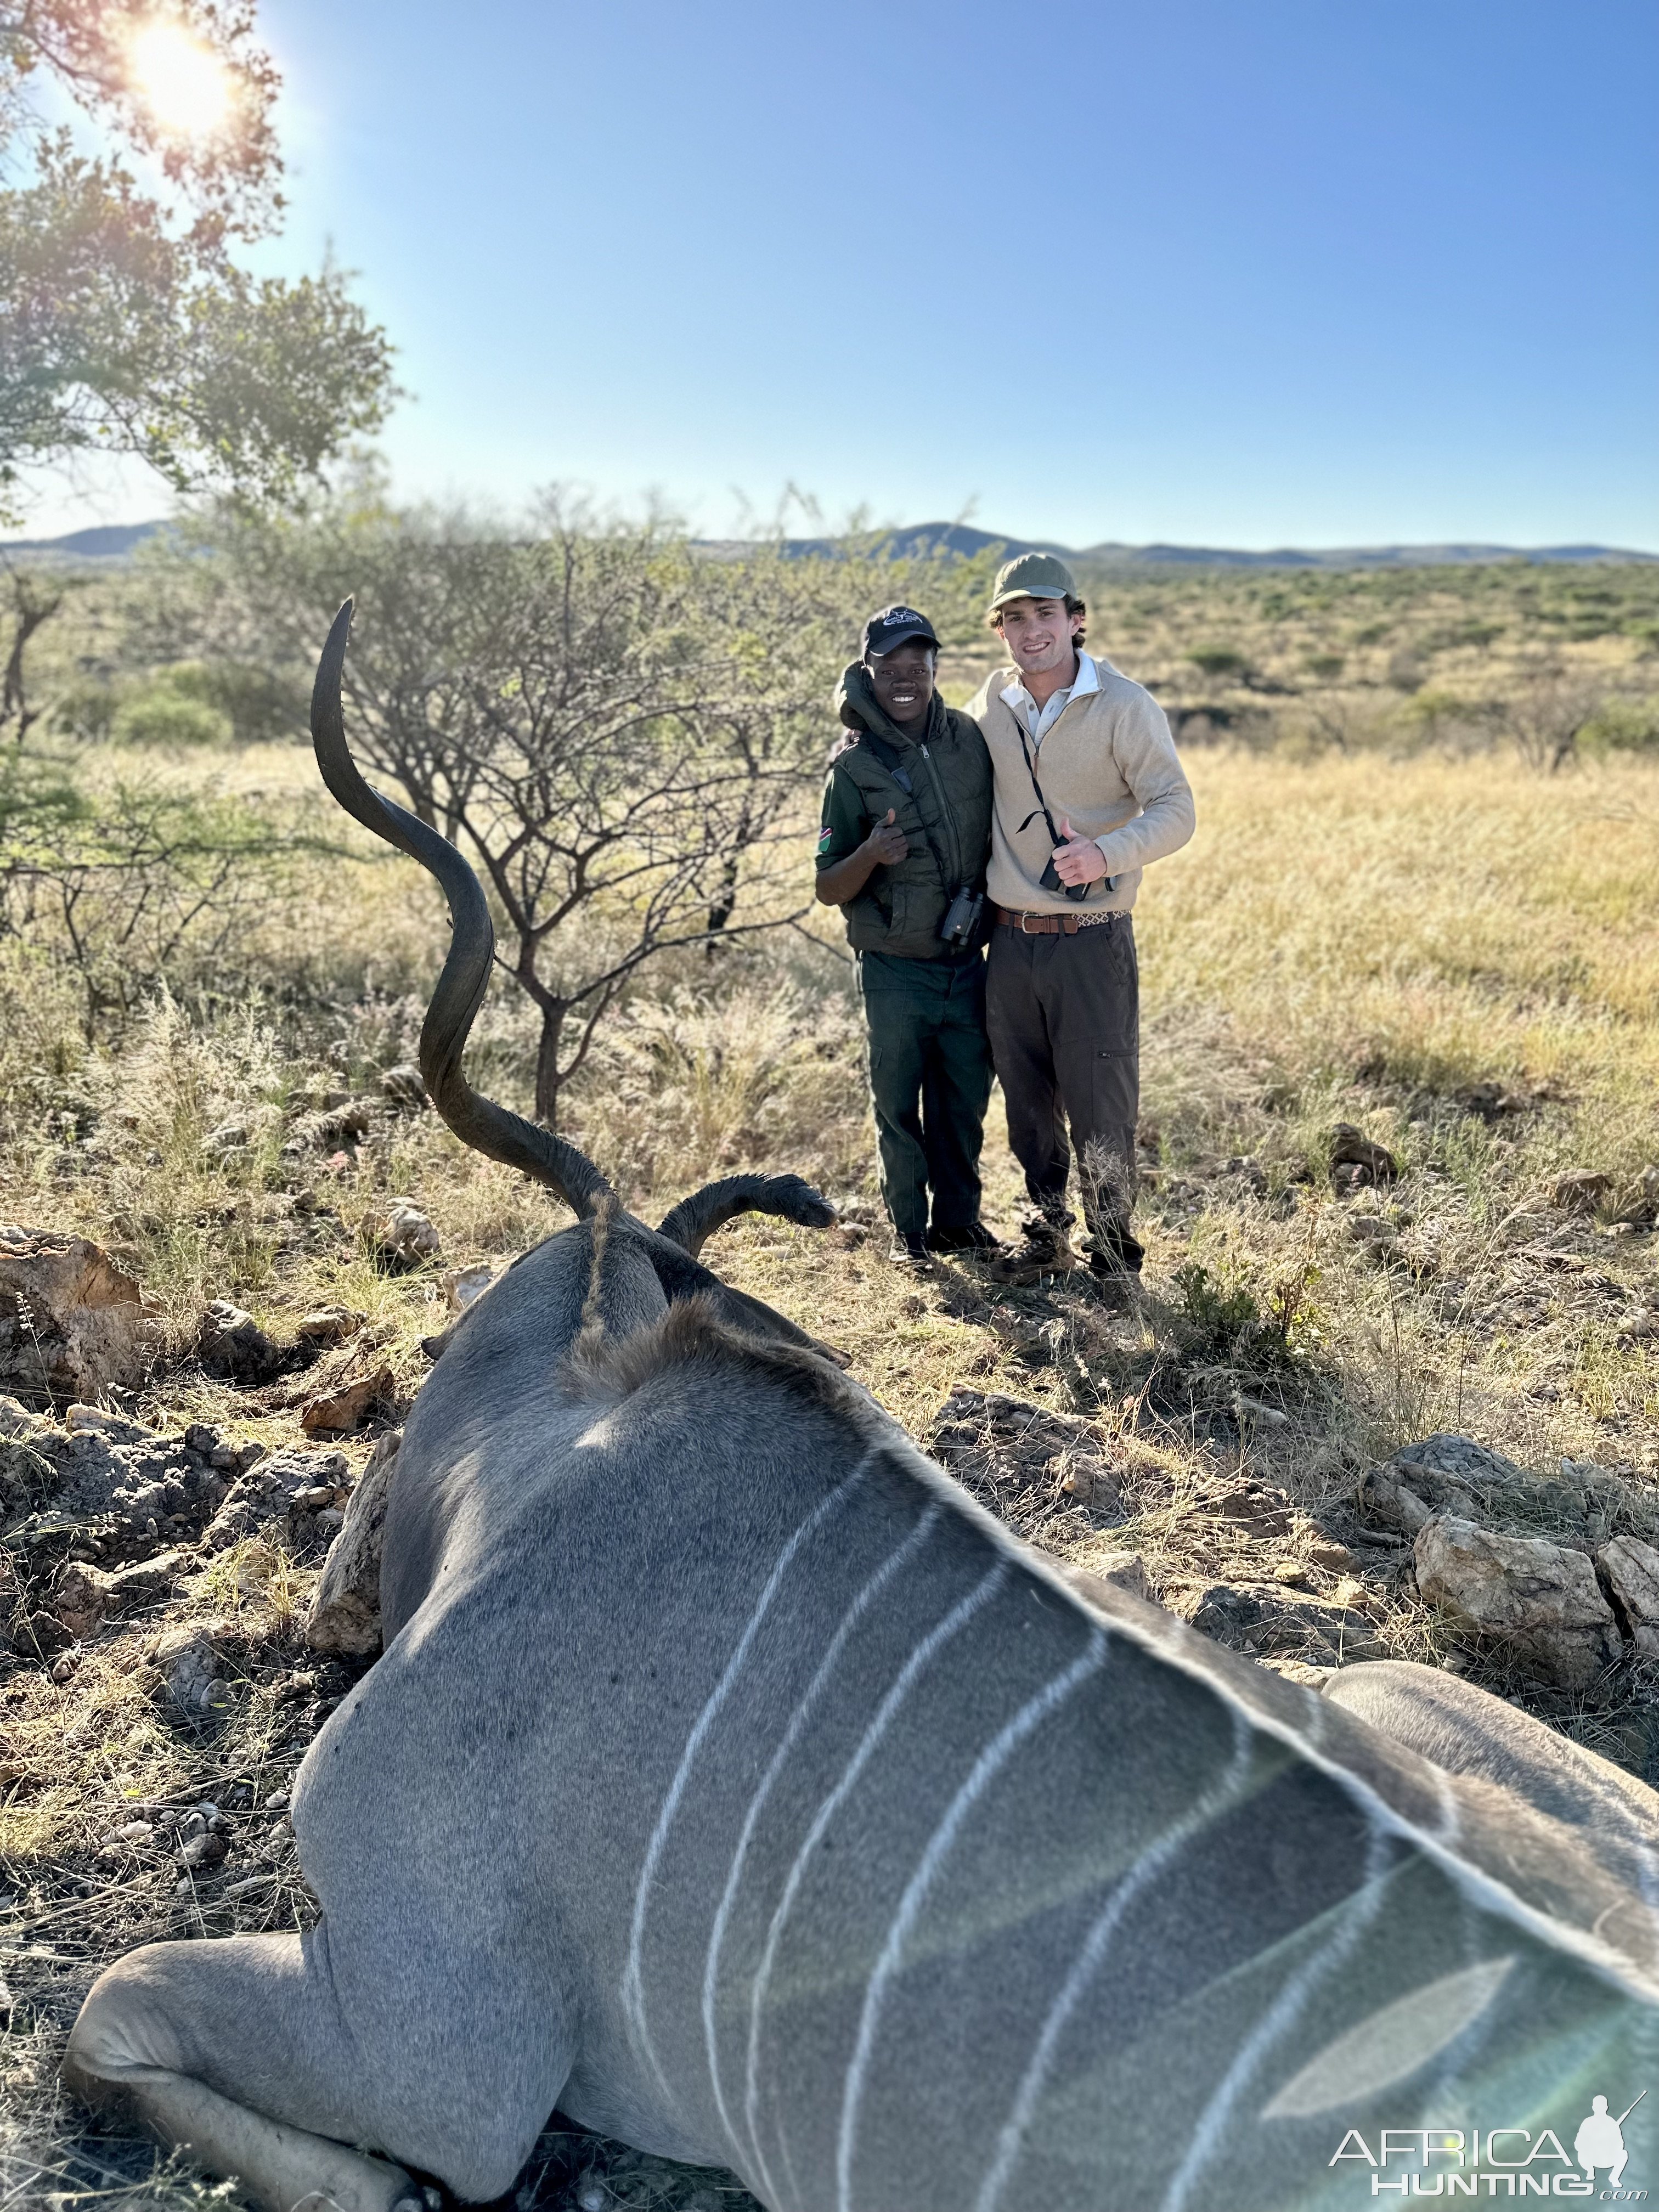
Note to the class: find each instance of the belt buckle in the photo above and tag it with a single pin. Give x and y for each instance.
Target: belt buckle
(1026, 929)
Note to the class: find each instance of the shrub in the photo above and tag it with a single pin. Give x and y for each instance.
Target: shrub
(1630, 726)
(86, 712)
(1230, 1325)
(257, 704)
(166, 717)
(1221, 660)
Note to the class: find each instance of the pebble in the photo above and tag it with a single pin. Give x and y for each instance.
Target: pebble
(1325, 1552)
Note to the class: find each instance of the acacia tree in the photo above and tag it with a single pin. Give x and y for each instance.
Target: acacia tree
(1548, 709)
(621, 730)
(149, 886)
(129, 327)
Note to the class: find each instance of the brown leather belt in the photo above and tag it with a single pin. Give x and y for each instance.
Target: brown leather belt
(1052, 925)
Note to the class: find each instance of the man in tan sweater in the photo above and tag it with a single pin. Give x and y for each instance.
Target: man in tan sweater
(1089, 791)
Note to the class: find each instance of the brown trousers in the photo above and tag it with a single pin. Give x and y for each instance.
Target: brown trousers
(1063, 1018)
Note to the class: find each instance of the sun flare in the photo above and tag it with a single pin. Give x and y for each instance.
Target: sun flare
(184, 85)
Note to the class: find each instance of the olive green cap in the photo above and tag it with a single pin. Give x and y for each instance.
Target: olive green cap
(1032, 576)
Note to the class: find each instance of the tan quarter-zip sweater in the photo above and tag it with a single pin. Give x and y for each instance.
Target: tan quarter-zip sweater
(1110, 764)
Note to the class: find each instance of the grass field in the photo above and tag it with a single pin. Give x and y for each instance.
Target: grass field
(1458, 955)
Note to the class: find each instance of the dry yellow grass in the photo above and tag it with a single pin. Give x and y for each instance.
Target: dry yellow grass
(1437, 921)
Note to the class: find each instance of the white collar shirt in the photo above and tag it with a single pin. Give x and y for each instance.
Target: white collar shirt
(1039, 720)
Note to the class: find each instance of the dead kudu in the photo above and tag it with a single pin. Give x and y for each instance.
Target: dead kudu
(733, 1782)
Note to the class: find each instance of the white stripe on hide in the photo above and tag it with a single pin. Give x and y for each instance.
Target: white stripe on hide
(957, 1619)
(1355, 1916)
(985, 1767)
(1153, 1860)
(872, 1589)
(633, 1988)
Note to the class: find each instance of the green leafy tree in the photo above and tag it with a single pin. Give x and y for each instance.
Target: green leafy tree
(129, 327)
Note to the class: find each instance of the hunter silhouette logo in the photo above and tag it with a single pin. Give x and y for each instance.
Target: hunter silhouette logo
(1499, 2162)
(1601, 2140)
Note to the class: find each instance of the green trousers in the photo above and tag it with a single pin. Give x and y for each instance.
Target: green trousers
(930, 1083)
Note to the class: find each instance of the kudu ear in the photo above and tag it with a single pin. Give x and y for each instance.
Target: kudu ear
(695, 1220)
(476, 1120)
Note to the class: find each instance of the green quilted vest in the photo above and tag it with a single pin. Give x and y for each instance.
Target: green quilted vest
(946, 815)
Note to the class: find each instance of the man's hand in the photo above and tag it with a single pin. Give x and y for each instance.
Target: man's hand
(1079, 859)
(884, 847)
(887, 846)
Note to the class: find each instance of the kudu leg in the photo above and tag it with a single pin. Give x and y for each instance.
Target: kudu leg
(233, 2052)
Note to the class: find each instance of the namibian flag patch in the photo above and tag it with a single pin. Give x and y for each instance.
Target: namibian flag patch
(824, 836)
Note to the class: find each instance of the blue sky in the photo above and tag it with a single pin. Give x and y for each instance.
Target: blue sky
(1293, 271)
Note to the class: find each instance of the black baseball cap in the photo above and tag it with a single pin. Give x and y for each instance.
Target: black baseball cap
(892, 626)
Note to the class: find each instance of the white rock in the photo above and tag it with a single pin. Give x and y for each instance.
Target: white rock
(465, 1285)
(190, 1665)
(345, 1610)
(402, 1234)
(72, 1321)
(1123, 1570)
(115, 1428)
(1541, 1600)
(1632, 1572)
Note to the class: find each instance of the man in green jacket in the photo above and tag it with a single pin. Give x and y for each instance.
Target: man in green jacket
(905, 832)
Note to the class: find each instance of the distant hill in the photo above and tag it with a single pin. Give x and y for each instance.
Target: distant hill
(114, 541)
(914, 540)
(1348, 556)
(111, 541)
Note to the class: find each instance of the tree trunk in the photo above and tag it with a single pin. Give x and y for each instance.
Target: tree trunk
(547, 1066)
(725, 895)
(719, 913)
(31, 613)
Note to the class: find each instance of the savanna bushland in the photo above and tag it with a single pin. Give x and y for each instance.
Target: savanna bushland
(1398, 1091)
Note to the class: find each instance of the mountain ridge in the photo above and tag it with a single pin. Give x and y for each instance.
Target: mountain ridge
(111, 543)
(922, 538)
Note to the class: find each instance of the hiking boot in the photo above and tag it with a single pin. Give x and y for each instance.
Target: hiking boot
(1047, 1251)
(975, 1237)
(1115, 1258)
(910, 1252)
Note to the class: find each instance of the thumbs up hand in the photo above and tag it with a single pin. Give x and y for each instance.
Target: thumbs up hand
(1079, 859)
(888, 844)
